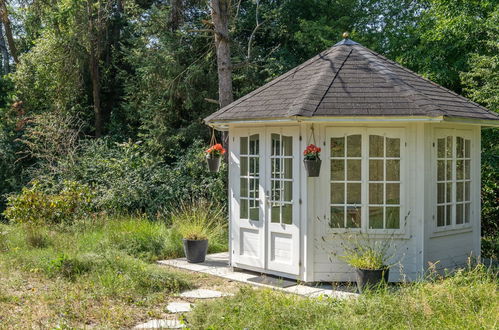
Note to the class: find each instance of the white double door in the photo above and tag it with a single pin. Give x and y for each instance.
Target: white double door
(265, 208)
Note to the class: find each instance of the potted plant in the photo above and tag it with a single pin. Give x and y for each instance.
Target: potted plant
(312, 160)
(370, 260)
(197, 222)
(214, 157)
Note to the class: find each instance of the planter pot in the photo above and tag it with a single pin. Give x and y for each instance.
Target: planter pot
(313, 167)
(371, 278)
(195, 250)
(214, 163)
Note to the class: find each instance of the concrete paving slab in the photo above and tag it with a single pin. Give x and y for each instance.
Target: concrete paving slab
(161, 324)
(203, 294)
(179, 307)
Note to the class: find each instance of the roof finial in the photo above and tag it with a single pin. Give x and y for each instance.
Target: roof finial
(346, 35)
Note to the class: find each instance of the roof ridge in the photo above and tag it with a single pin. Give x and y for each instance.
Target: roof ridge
(272, 82)
(392, 77)
(332, 81)
(432, 83)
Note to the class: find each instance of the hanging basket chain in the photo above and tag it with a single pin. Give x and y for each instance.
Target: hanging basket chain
(213, 138)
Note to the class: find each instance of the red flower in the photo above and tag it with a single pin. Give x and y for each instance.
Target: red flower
(312, 152)
(216, 150)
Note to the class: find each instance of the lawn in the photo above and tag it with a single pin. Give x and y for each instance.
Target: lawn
(92, 273)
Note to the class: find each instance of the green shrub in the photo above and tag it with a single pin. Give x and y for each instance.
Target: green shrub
(33, 206)
(68, 267)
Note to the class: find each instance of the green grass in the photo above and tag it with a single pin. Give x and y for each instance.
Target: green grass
(466, 300)
(97, 272)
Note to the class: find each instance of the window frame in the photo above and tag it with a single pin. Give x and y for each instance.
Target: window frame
(365, 132)
(466, 135)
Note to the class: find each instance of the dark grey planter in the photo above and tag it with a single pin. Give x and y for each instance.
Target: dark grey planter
(369, 278)
(313, 167)
(195, 250)
(214, 163)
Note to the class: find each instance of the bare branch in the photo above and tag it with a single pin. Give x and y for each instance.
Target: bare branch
(211, 100)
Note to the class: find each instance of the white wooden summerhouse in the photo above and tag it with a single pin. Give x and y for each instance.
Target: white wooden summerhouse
(400, 160)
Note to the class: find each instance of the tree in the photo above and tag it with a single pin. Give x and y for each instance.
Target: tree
(4, 16)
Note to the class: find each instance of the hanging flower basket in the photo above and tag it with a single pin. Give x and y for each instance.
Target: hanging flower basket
(312, 160)
(214, 157)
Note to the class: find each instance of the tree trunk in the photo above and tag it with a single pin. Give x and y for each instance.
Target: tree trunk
(5, 52)
(4, 13)
(94, 51)
(220, 18)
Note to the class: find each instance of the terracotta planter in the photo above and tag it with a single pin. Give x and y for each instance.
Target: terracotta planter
(213, 163)
(313, 167)
(371, 277)
(195, 250)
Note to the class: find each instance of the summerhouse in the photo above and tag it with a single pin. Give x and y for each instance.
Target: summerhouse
(400, 161)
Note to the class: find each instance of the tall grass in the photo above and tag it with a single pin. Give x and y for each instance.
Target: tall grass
(468, 299)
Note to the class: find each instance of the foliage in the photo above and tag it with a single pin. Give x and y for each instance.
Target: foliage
(469, 297)
(199, 220)
(363, 252)
(35, 207)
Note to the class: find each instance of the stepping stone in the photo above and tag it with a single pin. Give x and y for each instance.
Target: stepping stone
(161, 324)
(179, 307)
(203, 294)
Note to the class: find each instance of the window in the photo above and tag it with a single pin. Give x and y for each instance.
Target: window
(453, 180)
(365, 179)
(250, 176)
(281, 179)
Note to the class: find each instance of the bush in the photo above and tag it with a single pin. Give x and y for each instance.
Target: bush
(33, 206)
(199, 220)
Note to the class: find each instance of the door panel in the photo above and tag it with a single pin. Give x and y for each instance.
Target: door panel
(247, 211)
(283, 201)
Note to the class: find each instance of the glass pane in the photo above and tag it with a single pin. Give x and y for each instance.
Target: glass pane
(244, 166)
(255, 212)
(353, 217)
(467, 213)
(393, 217)
(375, 170)
(288, 168)
(354, 146)
(441, 170)
(376, 217)
(337, 217)
(467, 169)
(459, 147)
(441, 216)
(275, 193)
(393, 193)
(354, 170)
(337, 193)
(459, 170)
(448, 215)
(287, 141)
(353, 193)
(467, 151)
(276, 144)
(276, 168)
(392, 147)
(244, 188)
(288, 191)
(448, 194)
(392, 170)
(254, 166)
(459, 214)
(441, 148)
(467, 191)
(275, 214)
(253, 188)
(375, 193)
(287, 214)
(254, 144)
(338, 147)
(243, 209)
(448, 175)
(440, 193)
(449, 147)
(338, 169)
(244, 145)
(376, 146)
(459, 191)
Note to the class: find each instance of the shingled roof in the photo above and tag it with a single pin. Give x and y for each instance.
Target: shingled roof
(350, 80)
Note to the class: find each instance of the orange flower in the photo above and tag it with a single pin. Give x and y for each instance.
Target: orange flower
(216, 150)
(312, 152)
